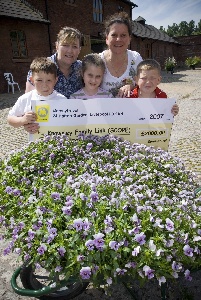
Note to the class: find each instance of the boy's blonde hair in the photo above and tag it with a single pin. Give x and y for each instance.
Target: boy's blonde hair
(148, 64)
(69, 34)
(43, 64)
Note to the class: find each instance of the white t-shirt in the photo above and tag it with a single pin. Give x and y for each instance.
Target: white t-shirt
(23, 104)
(113, 84)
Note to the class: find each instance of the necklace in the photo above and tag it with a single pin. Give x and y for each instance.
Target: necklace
(117, 68)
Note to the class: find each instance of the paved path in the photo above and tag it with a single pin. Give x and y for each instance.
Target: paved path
(185, 143)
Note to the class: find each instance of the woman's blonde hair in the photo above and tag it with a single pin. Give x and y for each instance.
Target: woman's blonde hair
(69, 34)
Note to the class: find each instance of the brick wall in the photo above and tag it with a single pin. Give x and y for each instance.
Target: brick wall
(37, 44)
(78, 15)
(190, 46)
(41, 38)
(149, 48)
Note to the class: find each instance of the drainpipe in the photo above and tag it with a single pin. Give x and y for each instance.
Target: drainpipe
(48, 27)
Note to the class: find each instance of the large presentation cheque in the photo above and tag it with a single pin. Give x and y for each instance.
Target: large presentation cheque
(139, 120)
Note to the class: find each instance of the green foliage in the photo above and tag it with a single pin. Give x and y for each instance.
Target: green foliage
(192, 61)
(183, 29)
(170, 63)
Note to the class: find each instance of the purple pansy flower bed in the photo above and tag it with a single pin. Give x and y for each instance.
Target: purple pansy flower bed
(100, 208)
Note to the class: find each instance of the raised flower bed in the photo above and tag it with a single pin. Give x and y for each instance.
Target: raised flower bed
(99, 209)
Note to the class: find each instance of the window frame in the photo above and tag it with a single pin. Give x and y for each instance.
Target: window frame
(18, 44)
(98, 11)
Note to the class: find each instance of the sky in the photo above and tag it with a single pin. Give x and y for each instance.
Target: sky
(166, 12)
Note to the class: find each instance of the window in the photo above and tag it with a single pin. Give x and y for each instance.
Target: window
(18, 41)
(98, 10)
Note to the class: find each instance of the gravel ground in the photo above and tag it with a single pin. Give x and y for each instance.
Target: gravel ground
(185, 143)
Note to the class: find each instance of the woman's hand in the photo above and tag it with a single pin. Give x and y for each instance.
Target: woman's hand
(125, 91)
(175, 109)
(32, 127)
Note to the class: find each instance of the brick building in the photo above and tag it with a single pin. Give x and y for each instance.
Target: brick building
(151, 42)
(190, 46)
(29, 29)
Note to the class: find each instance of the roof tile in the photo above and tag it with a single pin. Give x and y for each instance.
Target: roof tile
(21, 9)
(149, 31)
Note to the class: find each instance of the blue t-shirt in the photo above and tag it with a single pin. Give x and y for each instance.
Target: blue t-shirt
(69, 85)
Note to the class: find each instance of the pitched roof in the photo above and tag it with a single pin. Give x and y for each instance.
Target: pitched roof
(129, 2)
(140, 29)
(21, 9)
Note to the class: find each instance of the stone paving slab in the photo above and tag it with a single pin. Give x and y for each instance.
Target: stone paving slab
(185, 143)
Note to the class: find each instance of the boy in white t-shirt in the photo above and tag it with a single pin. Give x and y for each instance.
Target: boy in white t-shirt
(44, 78)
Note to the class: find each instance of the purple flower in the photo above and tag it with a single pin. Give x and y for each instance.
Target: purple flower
(55, 196)
(9, 190)
(85, 272)
(27, 256)
(114, 245)
(90, 245)
(68, 198)
(58, 269)
(176, 266)
(61, 251)
(136, 251)
(37, 265)
(2, 219)
(169, 225)
(89, 146)
(131, 264)
(49, 222)
(21, 225)
(95, 269)
(188, 251)
(52, 155)
(187, 275)
(140, 238)
(53, 231)
(80, 257)
(67, 210)
(83, 196)
(93, 214)
(18, 250)
(86, 224)
(135, 219)
(16, 192)
(109, 280)
(98, 240)
(134, 231)
(77, 224)
(121, 271)
(148, 272)
(69, 202)
(7, 251)
(94, 196)
(50, 238)
(162, 279)
(108, 220)
(41, 250)
(31, 234)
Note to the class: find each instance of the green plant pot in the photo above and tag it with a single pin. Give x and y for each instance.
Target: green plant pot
(192, 67)
(170, 69)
